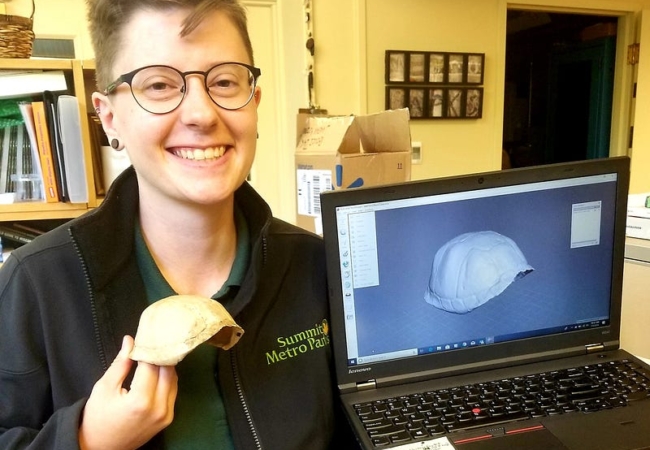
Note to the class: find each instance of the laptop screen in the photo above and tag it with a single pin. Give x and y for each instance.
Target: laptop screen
(433, 267)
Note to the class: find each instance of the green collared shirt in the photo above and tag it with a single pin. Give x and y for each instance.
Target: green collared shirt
(200, 420)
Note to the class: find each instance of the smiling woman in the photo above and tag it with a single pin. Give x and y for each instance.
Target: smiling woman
(178, 92)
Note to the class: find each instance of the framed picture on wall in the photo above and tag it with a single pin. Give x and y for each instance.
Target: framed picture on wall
(435, 85)
(475, 63)
(416, 68)
(436, 103)
(416, 103)
(455, 67)
(395, 67)
(474, 103)
(455, 103)
(395, 97)
(436, 68)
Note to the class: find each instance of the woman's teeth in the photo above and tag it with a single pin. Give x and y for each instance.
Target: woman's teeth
(201, 154)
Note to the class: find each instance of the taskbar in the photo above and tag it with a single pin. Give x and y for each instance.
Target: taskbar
(470, 343)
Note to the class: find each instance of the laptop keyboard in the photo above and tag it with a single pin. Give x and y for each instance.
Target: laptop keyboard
(435, 413)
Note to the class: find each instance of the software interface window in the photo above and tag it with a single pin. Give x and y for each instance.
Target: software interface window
(541, 241)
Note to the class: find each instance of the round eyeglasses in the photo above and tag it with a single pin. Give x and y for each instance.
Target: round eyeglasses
(160, 89)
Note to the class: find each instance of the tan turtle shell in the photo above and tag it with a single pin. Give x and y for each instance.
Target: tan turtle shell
(174, 326)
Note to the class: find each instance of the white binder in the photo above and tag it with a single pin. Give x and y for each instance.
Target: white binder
(73, 150)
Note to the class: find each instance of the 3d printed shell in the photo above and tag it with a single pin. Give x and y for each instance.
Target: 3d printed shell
(472, 268)
(172, 327)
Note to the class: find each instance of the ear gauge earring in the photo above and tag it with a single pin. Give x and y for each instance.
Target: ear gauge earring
(115, 144)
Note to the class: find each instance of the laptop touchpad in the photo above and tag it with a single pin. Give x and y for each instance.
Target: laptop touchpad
(538, 439)
(614, 429)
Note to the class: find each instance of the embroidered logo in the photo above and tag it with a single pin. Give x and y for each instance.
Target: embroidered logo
(300, 343)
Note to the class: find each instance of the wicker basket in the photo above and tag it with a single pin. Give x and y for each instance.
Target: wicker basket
(16, 35)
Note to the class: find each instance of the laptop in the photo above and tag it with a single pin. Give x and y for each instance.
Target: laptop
(483, 311)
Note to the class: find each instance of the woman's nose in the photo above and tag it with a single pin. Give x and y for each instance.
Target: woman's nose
(197, 106)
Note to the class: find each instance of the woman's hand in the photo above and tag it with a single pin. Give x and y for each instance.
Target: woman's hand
(118, 418)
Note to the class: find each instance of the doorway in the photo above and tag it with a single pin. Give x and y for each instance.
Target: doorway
(273, 26)
(559, 87)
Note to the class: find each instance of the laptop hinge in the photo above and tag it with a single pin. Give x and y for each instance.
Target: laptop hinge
(367, 385)
(594, 348)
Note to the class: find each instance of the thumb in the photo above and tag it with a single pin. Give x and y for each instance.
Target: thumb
(121, 365)
(127, 346)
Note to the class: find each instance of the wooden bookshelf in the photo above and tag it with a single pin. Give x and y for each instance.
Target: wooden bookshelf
(80, 78)
(35, 64)
(41, 211)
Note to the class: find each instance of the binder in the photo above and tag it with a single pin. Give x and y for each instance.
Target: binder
(49, 99)
(45, 152)
(73, 149)
(19, 179)
(37, 169)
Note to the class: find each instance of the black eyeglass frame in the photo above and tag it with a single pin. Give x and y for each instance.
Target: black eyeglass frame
(128, 79)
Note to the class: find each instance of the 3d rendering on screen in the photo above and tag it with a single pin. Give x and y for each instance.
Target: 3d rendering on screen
(473, 268)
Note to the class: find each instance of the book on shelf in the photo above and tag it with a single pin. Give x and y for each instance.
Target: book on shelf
(19, 177)
(98, 140)
(37, 169)
(18, 233)
(42, 155)
(12, 236)
(19, 83)
(51, 113)
(73, 148)
(45, 152)
(29, 228)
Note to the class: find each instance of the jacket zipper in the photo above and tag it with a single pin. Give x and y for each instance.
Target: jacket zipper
(264, 250)
(242, 399)
(91, 295)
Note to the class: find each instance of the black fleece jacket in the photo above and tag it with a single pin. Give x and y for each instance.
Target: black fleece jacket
(68, 298)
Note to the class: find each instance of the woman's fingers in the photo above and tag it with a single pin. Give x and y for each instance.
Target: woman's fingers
(118, 418)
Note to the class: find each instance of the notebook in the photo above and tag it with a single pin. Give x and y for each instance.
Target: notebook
(443, 290)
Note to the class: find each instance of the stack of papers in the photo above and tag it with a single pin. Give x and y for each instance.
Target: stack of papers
(18, 83)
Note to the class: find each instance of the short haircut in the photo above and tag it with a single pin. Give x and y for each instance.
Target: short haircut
(106, 19)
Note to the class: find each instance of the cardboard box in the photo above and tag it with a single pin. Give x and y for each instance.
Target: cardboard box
(638, 222)
(343, 152)
(638, 216)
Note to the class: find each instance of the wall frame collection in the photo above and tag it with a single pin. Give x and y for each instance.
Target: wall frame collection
(435, 85)
(437, 102)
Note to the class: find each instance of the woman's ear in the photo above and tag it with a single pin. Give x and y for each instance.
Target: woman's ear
(257, 95)
(104, 110)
